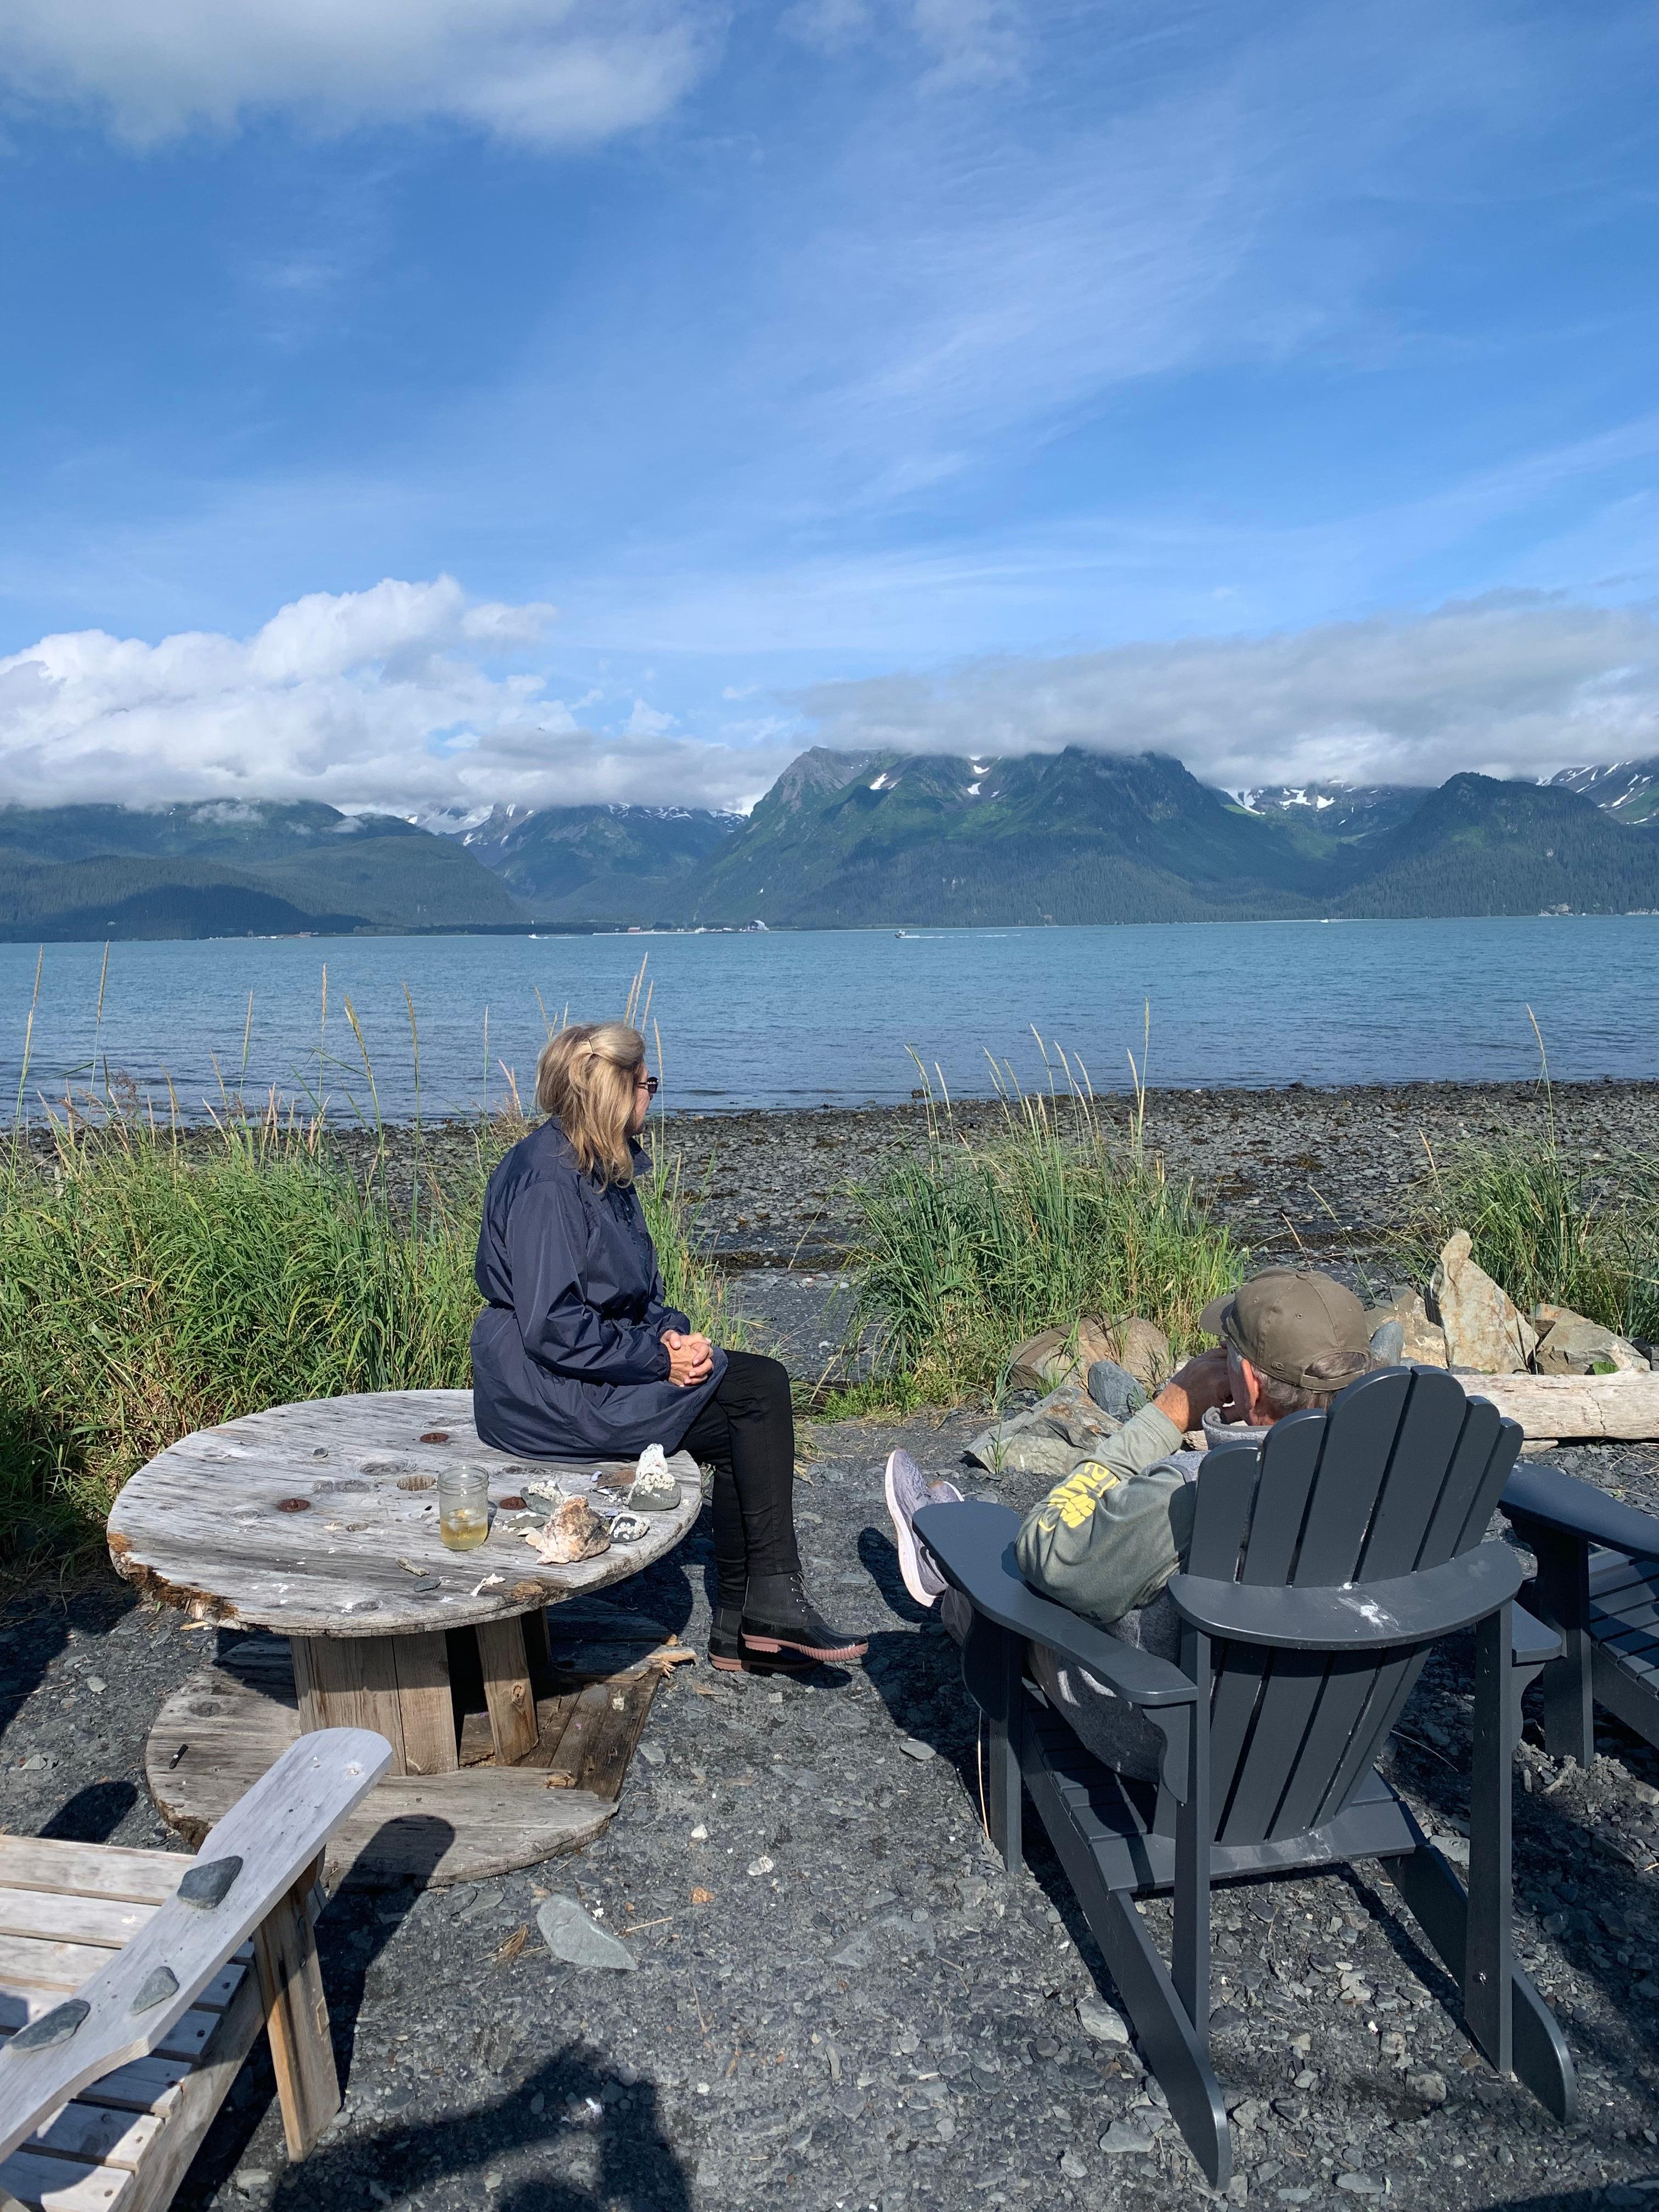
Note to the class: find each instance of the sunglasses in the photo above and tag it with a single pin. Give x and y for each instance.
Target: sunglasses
(648, 1084)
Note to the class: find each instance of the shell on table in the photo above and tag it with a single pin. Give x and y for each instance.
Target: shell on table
(574, 1531)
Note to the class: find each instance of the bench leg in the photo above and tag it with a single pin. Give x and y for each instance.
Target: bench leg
(993, 1668)
(1190, 1954)
(296, 2018)
(1485, 1977)
(1563, 1590)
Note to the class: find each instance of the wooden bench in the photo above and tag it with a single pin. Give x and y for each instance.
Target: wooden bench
(127, 2007)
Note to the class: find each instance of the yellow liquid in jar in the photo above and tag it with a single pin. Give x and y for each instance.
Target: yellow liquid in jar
(464, 1528)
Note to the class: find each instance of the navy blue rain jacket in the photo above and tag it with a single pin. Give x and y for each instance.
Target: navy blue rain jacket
(567, 1357)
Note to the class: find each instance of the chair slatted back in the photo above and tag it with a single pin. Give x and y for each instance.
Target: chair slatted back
(1403, 1472)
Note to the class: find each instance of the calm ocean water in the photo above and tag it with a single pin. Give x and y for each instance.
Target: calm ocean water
(801, 1019)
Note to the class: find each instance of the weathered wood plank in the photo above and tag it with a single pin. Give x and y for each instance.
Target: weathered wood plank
(507, 1693)
(464, 1826)
(582, 1730)
(349, 1681)
(426, 1705)
(37, 1913)
(203, 1526)
(606, 1765)
(60, 2184)
(28, 1963)
(91, 1869)
(100, 2133)
(297, 2020)
(1622, 1406)
(273, 1833)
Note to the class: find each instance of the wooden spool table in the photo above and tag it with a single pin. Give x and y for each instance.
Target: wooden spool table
(320, 1522)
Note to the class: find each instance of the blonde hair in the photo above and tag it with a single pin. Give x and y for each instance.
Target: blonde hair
(585, 1080)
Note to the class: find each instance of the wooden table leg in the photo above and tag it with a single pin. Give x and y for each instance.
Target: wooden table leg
(350, 1681)
(508, 1690)
(427, 1704)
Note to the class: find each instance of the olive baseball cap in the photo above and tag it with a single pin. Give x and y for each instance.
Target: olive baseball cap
(1300, 1328)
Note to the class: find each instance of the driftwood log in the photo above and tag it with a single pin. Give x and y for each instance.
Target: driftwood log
(1622, 1408)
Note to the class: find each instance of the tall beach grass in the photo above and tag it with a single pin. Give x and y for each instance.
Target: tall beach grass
(973, 1247)
(1547, 1224)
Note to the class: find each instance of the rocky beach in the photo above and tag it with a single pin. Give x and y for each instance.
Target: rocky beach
(837, 1997)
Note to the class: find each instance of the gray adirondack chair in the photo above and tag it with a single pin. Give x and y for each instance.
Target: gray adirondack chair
(1322, 1569)
(1598, 1585)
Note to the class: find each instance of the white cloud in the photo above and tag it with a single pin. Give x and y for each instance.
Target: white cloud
(646, 721)
(392, 698)
(1513, 684)
(545, 72)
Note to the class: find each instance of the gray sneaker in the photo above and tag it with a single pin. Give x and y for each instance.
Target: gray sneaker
(907, 1492)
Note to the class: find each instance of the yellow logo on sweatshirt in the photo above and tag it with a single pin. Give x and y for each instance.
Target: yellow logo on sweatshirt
(1074, 1500)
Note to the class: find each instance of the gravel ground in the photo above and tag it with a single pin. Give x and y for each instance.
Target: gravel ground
(841, 2001)
(1332, 1165)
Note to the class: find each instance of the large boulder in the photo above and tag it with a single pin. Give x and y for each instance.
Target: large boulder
(1058, 1355)
(1568, 1344)
(1422, 1341)
(1049, 1440)
(1486, 1330)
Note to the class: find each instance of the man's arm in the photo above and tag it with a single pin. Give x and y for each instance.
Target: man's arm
(1109, 1537)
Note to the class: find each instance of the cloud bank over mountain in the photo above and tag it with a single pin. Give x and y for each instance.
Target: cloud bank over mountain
(1513, 684)
(410, 698)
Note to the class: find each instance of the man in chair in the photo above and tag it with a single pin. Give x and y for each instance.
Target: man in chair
(1106, 1540)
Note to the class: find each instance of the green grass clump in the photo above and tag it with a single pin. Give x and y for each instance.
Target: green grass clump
(1547, 1227)
(152, 1286)
(972, 1248)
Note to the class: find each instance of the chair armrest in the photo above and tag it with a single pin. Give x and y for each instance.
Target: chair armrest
(1352, 1616)
(1565, 1506)
(248, 1864)
(973, 1546)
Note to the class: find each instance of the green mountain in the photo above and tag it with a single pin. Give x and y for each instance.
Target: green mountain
(221, 869)
(1076, 838)
(595, 863)
(1067, 837)
(1477, 846)
(844, 840)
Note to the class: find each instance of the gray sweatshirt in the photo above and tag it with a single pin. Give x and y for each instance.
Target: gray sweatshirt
(1105, 1540)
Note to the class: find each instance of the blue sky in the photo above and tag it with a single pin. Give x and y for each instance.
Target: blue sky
(1275, 386)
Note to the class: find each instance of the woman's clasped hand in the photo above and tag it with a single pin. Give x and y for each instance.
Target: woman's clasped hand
(690, 1357)
(578, 1354)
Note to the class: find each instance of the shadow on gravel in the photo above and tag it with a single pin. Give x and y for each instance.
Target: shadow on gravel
(616, 2130)
(31, 1638)
(878, 1555)
(93, 1814)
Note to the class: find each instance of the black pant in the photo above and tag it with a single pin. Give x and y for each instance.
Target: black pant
(746, 1433)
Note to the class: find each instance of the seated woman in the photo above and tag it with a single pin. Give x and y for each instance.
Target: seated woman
(576, 1355)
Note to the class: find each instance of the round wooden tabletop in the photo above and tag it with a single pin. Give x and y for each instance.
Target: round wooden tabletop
(321, 1519)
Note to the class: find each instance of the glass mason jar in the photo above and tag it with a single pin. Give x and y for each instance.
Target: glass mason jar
(463, 1507)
